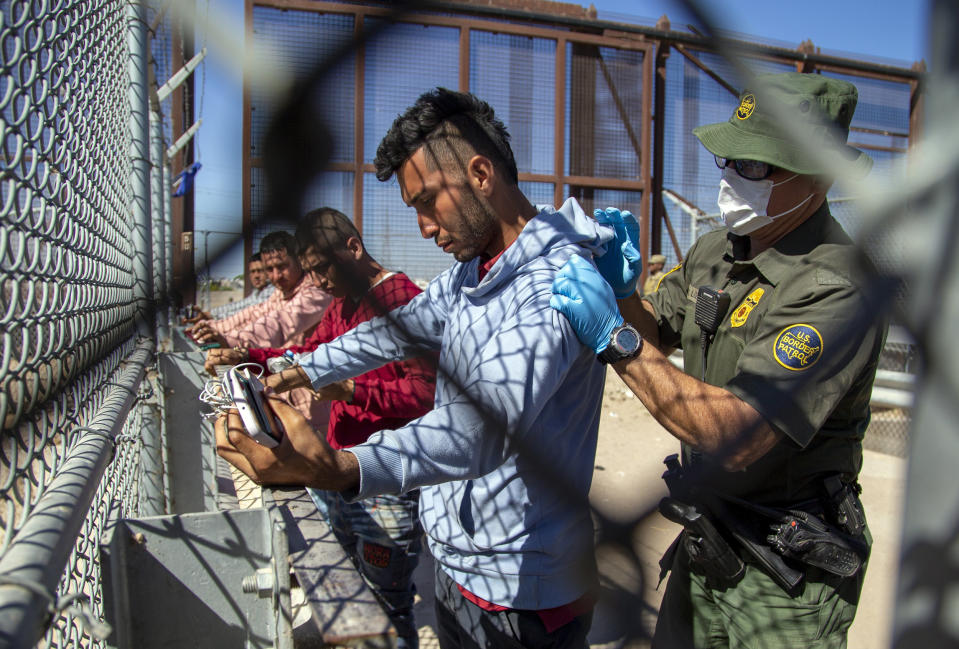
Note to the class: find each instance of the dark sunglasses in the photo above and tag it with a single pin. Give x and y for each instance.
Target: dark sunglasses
(748, 169)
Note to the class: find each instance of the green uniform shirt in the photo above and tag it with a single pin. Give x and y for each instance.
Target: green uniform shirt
(786, 347)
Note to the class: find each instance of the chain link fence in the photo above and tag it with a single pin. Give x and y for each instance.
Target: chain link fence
(71, 397)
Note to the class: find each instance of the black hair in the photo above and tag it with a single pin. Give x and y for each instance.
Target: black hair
(255, 257)
(325, 229)
(457, 125)
(279, 241)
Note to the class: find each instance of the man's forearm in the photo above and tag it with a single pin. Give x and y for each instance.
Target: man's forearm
(344, 476)
(303, 457)
(288, 379)
(640, 314)
(706, 417)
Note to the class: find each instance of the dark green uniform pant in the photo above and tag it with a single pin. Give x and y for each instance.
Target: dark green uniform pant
(755, 613)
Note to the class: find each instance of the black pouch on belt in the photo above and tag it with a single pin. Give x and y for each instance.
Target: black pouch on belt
(802, 536)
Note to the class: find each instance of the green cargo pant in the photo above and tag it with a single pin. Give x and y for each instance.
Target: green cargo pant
(755, 613)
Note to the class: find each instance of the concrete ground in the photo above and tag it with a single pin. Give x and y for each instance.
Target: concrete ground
(627, 484)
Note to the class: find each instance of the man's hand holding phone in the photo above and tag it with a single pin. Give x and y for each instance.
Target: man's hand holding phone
(302, 458)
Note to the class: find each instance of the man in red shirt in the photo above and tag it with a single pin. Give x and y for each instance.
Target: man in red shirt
(382, 534)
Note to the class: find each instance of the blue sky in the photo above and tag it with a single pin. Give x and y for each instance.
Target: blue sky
(881, 30)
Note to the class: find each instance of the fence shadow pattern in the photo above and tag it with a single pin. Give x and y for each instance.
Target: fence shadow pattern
(577, 102)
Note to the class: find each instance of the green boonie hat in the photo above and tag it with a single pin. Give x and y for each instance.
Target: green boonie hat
(752, 133)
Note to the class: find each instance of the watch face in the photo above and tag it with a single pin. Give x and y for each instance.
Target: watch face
(627, 340)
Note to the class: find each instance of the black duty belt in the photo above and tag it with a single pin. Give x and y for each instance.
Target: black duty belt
(720, 531)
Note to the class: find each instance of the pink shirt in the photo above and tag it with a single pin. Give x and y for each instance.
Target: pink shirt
(279, 321)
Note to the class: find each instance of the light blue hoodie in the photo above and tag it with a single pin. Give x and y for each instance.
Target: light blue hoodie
(505, 459)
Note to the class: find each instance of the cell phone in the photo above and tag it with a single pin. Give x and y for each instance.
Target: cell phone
(259, 422)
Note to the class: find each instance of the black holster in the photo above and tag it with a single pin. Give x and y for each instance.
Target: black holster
(709, 553)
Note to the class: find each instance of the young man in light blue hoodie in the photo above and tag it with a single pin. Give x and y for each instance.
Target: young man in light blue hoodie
(504, 461)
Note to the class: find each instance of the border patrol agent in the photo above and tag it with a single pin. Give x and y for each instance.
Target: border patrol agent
(656, 263)
(780, 345)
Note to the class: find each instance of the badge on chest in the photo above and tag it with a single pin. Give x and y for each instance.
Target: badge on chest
(741, 313)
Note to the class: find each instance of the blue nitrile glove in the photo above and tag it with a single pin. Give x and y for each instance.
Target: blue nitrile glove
(582, 295)
(622, 264)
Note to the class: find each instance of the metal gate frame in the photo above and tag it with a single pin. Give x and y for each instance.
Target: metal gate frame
(569, 24)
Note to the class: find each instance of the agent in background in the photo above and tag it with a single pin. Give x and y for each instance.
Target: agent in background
(654, 270)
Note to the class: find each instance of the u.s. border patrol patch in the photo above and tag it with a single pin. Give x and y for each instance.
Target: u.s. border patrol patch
(738, 318)
(798, 347)
(746, 107)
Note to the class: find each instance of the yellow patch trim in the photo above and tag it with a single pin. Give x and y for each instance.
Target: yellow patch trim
(746, 107)
(798, 347)
(738, 318)
(671, 270)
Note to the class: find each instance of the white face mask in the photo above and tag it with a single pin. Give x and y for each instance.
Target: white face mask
(743, 202)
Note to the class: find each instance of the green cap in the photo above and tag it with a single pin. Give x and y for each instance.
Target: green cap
(825, 104)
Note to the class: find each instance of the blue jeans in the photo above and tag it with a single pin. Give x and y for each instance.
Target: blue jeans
(383, 537)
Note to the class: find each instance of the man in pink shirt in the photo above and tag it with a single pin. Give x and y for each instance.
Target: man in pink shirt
(286, 318)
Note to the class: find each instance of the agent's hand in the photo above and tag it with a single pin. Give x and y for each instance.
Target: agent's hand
(303, 458)
(621, 265)
(223, 356)
(582, 295)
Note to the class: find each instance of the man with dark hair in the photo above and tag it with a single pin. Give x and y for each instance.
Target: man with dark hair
(505, 459)
(286, 318)
(380, 533)
(781, 340)
(262, 289)
(259, 280)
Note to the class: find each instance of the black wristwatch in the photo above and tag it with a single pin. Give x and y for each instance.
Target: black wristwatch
(624, 342)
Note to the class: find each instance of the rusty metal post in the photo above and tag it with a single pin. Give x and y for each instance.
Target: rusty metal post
(359, 123)
(916, 104)
(181, 116)
(659, 134)
(559, 120)
(582, 94)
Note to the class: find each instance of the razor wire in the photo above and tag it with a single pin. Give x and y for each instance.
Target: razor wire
(67, 274)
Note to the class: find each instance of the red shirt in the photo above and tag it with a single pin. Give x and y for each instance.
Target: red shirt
(552, 618)
(486, 264)
(385, 398)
